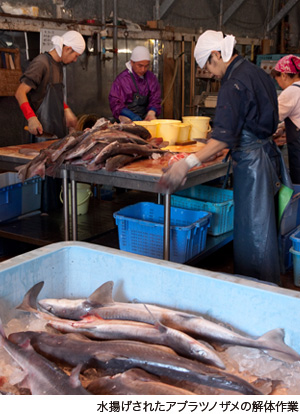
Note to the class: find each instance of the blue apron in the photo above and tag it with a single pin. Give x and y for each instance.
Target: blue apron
(293, 146)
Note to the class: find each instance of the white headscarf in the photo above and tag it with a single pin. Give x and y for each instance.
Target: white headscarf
(72, 39)
(138, 54)
(212, 40)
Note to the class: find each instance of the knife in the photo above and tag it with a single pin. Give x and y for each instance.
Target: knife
(43, 135)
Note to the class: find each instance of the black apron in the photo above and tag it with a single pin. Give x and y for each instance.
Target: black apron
(51, 116)
(258, 166)
(293, 145)
(139, 103)
(51, 111)
(258, 170)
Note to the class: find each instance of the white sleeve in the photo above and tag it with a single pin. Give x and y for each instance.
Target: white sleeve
(286, 103)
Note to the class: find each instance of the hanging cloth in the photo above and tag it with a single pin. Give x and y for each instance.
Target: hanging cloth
(51, 111)
(140, 102)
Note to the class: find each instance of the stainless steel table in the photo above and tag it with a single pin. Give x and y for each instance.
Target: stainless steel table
(141, 175)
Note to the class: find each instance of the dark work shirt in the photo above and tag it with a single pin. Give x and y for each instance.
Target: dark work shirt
(247, 100)
(37, 76)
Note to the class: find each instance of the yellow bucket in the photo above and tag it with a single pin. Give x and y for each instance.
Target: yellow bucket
(151, 126)
(183, 132)
(199, 126)
(83, 197)
(166, 129)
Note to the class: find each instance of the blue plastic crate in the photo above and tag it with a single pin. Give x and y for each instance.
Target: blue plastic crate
(286, 257)
(10, 196)
(31, 195)
(141, 231)
(295, 239)
(215, 200)
(296, 266)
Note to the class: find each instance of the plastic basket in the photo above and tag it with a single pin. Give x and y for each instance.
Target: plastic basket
(215, 200)
(141, 231)
(286, 258)
(296, 266)
(295, 238)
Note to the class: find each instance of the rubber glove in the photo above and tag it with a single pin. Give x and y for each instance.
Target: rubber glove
(150, 115)
(34, 126)
(175, 175)
(71, 118)
(130, 114)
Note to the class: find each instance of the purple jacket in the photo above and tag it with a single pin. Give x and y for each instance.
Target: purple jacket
(123, 88)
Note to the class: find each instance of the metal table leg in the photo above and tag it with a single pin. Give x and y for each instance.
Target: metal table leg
(167, 214)
(66, 204)
(74, 209)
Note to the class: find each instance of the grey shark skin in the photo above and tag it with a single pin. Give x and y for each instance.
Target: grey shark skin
(99, 328)
(135, 381)
(43, 377)
(120, 355)
(102, 304)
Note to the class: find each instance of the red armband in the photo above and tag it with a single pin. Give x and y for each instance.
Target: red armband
(27, 110)
(65, 106)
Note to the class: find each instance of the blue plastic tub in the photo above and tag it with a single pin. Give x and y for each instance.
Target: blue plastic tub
(141, 231)
(295, 239)
(296, 266)
(215, 200)
(75, 269)
(31, 195)
(10, 196)
(17, 198)
(286, 257)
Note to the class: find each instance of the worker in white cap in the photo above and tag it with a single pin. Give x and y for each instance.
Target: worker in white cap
(135, 93)
(40, 93)
(245, 119)
(41, 99)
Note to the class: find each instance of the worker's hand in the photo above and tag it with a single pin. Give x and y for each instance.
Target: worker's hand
(280, 131)
(174, 176)
(71, 118)
(34, 126)
(150, 115)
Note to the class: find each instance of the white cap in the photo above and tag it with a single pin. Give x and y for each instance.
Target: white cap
(140, 53)
(72, 38)
(212, 40)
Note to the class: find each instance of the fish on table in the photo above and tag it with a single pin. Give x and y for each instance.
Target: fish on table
(42, 376)
(120, 355)
(99, 328)
(120, 139)
(101, 303)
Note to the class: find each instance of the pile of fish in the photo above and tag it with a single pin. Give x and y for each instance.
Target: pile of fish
(105, 145)
(131, 348)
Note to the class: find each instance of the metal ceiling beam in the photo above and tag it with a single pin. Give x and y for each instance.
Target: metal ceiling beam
(280, 15)
(166, 4)
(231, 10)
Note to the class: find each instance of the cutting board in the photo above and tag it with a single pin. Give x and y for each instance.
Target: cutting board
(186, 148)
(14, 151)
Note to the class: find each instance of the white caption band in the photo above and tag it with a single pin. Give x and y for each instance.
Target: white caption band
(192, 161)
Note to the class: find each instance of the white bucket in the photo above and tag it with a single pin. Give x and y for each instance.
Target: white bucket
(83, 197)
(199, 126)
